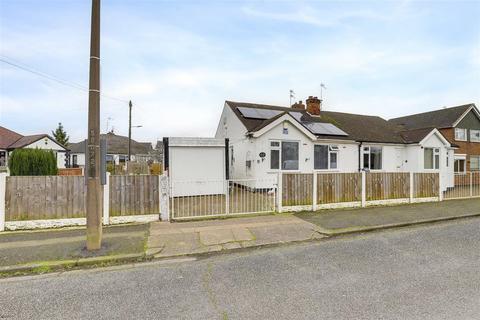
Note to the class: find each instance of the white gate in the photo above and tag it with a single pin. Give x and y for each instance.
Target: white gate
(466, 185)
(214, 198)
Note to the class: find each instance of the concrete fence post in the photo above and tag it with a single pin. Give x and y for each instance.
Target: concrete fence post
(411, 184)
(440, 191)
(279, 191)
(164, 194)
(314, 195)
(471, 184)
(106, 199)
(227, 196)
(3, 190)
(364, 189)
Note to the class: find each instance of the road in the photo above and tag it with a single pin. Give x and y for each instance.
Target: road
(425, 272)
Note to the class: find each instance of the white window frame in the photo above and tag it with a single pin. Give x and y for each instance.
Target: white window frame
(460, 158)
(478, 157)
(364, 152)
(279, 148)
(332, 149)
(435, 162)
(458, 130)
(474, 135)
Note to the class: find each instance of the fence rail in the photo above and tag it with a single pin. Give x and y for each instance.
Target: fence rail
(197, 199)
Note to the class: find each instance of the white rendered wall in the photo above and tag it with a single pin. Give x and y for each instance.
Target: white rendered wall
(49, 144)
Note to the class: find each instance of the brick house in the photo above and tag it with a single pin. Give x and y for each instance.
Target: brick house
(460, 125)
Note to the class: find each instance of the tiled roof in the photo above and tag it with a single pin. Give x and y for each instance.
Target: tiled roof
(443, 118)
(115, 145)
(358, 127)
(8, 137)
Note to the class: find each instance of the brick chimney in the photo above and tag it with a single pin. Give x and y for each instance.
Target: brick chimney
(298, 105)
(314, 105)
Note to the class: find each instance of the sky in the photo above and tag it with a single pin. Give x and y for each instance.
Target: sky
(178, 61)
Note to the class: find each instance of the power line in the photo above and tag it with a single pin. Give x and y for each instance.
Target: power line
(71, 84)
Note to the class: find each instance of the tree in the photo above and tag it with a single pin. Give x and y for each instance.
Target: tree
(60, 135)
(32, 162)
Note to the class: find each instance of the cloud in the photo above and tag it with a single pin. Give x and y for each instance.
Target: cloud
(178, 63)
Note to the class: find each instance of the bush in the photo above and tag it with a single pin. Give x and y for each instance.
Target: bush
(32, 162)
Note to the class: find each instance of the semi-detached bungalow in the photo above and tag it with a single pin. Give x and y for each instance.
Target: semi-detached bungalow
(265, 140)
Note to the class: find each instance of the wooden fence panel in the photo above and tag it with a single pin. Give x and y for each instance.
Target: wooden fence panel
(134, 195)
(297, 189)
(426, 185)
(45, 197)
(339, 187)
(387, 185)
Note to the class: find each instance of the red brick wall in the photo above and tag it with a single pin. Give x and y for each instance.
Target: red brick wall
(468, 148)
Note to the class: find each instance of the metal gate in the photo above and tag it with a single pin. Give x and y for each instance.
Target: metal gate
(214, 198)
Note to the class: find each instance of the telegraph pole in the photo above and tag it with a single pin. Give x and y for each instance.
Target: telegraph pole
(94, 188)
(129, 130)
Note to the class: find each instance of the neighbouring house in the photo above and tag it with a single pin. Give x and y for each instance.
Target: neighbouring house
(11, 140)
(117, 150)
(460, 125)
(265, 140)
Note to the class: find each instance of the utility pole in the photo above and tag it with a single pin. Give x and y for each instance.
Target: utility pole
(129, 130)
(94, 188)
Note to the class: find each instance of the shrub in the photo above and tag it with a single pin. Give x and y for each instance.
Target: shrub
(32, 162)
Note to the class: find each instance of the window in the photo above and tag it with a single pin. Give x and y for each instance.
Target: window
(431, 158)
(474, 135)
(122, 158)
(3, 158)
(289, 155)
(460, 134)
(325, 157)
(74, 160)
(460, 166)
(232, 157)
(372, 158)
(284, 155)
(474, 163)
(274, 155)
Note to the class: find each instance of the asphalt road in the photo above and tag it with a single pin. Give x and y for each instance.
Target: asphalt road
(426, 272)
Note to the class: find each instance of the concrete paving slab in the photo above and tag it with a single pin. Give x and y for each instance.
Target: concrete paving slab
(212, 237)
(242, 234)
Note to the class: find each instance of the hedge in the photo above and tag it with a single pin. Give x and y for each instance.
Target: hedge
(32, 162)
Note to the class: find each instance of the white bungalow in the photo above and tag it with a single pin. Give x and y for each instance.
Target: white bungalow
(265, 140)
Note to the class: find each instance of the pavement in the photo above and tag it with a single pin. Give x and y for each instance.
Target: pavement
(335, 222)
(422, 272)
(198, 237)
(47, 251)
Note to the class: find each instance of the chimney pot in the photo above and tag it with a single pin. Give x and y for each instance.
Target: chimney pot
(298, 105)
